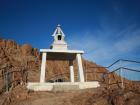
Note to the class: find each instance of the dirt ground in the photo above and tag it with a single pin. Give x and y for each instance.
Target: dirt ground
(98, 96)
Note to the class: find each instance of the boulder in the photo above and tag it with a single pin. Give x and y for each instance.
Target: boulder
(26, 49)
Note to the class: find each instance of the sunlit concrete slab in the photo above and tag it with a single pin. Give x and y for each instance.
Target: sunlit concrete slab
(64, 86)
(61, 51)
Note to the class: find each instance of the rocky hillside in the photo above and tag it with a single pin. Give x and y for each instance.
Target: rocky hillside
(23, 62)
(15, 59)
(20, 64)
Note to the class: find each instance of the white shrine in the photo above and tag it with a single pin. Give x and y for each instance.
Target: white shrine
(59, 50)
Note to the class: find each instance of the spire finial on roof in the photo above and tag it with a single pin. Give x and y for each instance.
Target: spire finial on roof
(58, 30)
(58, 25)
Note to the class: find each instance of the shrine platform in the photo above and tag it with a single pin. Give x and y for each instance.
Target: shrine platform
(62, 86)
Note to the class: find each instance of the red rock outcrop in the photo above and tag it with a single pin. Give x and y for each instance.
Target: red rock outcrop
(26, 57)
(26, 49)
(23, 64)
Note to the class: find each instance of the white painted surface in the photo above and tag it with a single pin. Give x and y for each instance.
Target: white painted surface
(40, 86)
(63, 85)
(86, 85)
(43, 66)
(59, 46)
(71, 72)
(80, 68)
(62, 51)
(59, 42)
(58, 28)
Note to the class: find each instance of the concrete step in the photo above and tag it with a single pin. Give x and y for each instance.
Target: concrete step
(65, 87)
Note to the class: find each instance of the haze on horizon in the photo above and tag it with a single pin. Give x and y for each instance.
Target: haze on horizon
(106, 30)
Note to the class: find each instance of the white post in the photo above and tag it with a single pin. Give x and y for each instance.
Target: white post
(43, 66)
(71, 71)
(80, 68)
(122, 78)
(121, 74)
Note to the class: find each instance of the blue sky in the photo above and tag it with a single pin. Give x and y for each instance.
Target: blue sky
(106, 30)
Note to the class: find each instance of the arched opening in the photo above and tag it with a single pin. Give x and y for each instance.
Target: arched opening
(59, 80)
(59, 37)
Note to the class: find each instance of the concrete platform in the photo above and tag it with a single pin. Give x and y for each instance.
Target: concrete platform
(62, 86)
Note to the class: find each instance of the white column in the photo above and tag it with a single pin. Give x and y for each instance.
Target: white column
(80, 68)
(43, 66)
(71, 71)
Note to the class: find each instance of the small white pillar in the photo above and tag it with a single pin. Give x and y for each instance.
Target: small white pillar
(80, 68)
(71, 71)
(43, 67)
